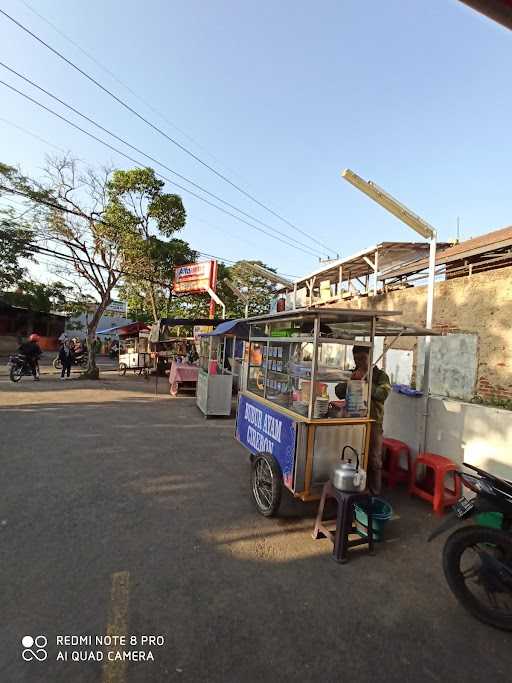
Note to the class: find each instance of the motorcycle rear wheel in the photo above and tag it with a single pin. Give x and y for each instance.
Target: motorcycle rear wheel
(482, 542)
(57, 364)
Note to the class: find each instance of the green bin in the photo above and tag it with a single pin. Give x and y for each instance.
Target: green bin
(381, 512)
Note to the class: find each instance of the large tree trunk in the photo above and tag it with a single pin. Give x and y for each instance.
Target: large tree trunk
(92, 371)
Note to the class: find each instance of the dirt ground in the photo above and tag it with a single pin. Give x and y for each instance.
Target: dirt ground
(126, 512)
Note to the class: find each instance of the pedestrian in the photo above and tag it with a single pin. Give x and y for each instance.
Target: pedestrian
(66, 355)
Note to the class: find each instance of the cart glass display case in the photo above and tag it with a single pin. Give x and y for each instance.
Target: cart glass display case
(310, 374)
(215, 379)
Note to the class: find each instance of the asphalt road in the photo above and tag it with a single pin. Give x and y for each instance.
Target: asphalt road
(127, 513)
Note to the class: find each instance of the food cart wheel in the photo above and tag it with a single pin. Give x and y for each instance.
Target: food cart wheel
(266, 484)
(122, 369)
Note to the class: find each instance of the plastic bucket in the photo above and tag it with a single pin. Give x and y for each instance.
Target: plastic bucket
(381, 512)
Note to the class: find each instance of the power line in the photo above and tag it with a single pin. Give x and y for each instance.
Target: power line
(33, 135)
(148, 156)
(160, 131)
(58, 207)
(122, 83)
(139, 163)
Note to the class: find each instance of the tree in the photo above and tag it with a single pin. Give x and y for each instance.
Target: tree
(15, 237)
(70, 208)
(38, 296)
(136, 198)
(258, 290)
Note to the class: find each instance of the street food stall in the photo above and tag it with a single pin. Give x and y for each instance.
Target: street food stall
(290, 417)
(220, 361)
(173, 348)
(134, 352)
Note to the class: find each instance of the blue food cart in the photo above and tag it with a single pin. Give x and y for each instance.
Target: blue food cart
(290, 416)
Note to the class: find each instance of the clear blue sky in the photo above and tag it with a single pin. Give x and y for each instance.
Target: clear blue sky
(413, 95)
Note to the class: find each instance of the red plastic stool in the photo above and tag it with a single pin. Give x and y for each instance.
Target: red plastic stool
(440, 467)
(392, 472)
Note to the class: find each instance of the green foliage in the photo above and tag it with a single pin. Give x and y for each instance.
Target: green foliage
(493, 402)
(258, 290)
(136, 200)
(14, 242)
(38, 296)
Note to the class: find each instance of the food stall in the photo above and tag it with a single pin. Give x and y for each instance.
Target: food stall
(220, 359)
(134, 352)
(173, 349)
(289, 416)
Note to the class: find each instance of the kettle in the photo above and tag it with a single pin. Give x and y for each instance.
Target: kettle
(348, 477)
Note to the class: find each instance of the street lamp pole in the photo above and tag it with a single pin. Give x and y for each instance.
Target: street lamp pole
(424, 229)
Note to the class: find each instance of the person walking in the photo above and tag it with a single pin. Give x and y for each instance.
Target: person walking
(66, 354)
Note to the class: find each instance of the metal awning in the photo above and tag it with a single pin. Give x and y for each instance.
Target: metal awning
(128, 328)
(235, 328)
(393, 328)
(326, 315)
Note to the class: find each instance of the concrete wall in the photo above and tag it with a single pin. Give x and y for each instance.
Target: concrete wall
(461, 431)
(480, 305)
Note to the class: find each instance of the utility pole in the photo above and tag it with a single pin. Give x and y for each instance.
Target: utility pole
(424, 229)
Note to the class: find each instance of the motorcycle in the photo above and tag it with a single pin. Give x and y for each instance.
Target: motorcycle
(19, 366)
(79, 359)
(477, 560)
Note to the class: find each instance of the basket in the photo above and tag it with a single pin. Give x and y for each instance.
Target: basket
(381, 512)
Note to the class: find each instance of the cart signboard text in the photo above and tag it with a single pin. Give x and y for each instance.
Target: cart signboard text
(263, 430)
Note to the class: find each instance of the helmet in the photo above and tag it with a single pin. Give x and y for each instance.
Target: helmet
(34, 338)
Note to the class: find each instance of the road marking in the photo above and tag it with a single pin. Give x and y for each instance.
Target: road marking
(115, 672)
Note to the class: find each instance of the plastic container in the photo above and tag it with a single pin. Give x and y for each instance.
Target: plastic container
(381, 512)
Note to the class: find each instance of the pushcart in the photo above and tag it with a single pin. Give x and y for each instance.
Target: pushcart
(290, 417)
(134, 353)
(220, 361)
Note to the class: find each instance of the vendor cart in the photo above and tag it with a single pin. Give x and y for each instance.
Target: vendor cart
(289, 417)
(134, 352)
(220, 359)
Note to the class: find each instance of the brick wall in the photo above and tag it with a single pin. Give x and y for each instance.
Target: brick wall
(480, 304)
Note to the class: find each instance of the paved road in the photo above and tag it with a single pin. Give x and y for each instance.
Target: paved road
(126, 512)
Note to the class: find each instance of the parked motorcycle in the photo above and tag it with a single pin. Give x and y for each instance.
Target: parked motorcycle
(80, 359)
(477, 560)
(19, 366)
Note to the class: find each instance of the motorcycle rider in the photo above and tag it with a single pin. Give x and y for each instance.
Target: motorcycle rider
(32, 352)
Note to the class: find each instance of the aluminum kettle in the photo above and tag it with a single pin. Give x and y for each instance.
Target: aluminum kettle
(347, 476)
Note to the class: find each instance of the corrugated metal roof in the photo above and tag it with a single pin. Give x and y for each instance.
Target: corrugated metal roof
(497, 239)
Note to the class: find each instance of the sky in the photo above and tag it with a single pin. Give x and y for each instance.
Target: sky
(280, 97)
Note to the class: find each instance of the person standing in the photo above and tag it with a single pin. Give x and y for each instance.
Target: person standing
(381, 386)
(66, 354)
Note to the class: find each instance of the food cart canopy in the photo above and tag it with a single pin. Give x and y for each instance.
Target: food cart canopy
(383, 326)
(236, 328)
(326, 315)
(158, 330)
(130, 328)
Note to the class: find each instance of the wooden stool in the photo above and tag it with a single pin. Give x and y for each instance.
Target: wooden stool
(344, 521)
